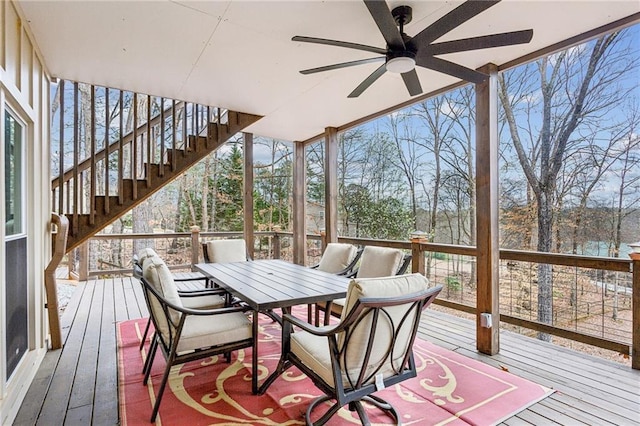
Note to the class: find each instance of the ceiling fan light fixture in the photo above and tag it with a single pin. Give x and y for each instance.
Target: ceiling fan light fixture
(401, 64)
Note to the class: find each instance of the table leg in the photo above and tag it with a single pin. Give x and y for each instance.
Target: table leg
(283, 363)
(254, 361)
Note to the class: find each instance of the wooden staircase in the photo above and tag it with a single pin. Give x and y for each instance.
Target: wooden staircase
(151, 162)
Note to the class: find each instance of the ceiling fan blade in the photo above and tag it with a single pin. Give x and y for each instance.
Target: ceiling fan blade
(412, 82)
(368, 81)
(340, 44)
(482, 42)
(457, 16)
(447, 67)
(385, 22)
(342, 65)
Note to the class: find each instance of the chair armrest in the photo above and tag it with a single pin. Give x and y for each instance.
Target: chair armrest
(216, 311)
(190, 311)
(185, 279)
(318, 331)
(203, 292)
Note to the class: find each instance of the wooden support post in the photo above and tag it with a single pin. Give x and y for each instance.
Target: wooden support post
(195, 246)
(488, 252)
(417, 257)
(635, 309)
(299, 204)
(247, 202)
(331, 184)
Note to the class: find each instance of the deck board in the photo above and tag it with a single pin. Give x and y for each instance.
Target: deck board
(590, 390)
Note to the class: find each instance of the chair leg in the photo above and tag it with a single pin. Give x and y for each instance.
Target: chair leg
(364, 419)
(144, 335)
(317, 319)
(326, 416)
(353, 406)
(153, 347)
(327, 312)
(163, 383)
(384, 406)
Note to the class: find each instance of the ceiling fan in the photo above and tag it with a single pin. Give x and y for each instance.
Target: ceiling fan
(404, 52)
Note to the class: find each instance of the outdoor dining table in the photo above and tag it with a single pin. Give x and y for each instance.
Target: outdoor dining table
(266, 285)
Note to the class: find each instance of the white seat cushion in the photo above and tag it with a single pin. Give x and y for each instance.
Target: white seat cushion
(337, 257)
(203, 331)
(226, 251)
(314, 350)
(379, 262)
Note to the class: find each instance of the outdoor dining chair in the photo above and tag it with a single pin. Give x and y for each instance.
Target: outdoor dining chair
(370, 349)
(375, 262)
(225, 251)
(339, 259)
(196, 299)
(185, 334)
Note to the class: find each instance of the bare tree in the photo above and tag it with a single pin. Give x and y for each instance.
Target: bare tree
(408, 156)
(431, 112)
(557, 94)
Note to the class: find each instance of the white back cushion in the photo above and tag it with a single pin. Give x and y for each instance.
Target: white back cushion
(226, 251)
(314, 350)
(389, 287)
(379, 262)
(157, 274)
(337, 257)
(144, 254)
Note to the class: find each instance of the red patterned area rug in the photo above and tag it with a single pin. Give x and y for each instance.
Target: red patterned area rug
(450, 389)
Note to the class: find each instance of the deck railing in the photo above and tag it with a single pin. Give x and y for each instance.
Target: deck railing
(592, 297)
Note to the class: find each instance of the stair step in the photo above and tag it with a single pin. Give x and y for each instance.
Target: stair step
(199, 147)
(99, 203)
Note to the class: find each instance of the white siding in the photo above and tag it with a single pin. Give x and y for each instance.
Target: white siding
(25, 85)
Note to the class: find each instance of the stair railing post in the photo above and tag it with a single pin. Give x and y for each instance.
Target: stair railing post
(83, 273)
(417, 256)
(323, 240)
(635, 309)
(275, 241)
(195, 246)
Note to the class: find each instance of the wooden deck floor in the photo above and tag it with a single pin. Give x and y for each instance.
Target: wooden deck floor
(77, 385)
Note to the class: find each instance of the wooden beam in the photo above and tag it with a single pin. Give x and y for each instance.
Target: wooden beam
(331, 184)
(299, 204)
(488, 254)
(59, 249)
(247, 202)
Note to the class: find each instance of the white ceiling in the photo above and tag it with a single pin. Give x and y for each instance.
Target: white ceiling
(239, 54)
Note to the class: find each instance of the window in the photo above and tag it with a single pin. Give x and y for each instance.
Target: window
(13, 174)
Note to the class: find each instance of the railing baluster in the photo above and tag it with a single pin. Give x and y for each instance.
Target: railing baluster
(120, 152)
(107, 123)
(173, 138)
(61, 154)
(149, 142)
(134, 149)
(92, 181)
(185, 139)
(162, 118)
(75, 199)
